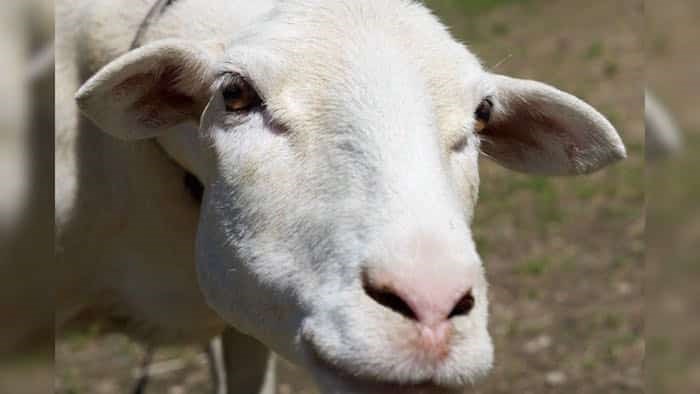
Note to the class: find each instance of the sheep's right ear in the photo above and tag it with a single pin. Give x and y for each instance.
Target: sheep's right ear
(148, 90)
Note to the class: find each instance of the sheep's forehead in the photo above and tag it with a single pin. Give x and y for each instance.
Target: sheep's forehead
(359, 52)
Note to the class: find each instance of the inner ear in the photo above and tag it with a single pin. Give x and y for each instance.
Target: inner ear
(536, 128)
(164, 103)
(150, 89)
(519, 128)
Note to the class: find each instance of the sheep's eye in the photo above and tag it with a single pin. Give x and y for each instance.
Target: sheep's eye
(239, 96)
(483, 114)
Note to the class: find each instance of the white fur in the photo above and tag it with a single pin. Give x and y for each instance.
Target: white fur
(365, 150)
(663, 137)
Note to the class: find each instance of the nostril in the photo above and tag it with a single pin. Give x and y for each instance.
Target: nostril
(387, 298)
(463, 306)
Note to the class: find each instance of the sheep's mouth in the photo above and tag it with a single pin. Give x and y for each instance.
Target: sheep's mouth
(334, 379)
(357, 385)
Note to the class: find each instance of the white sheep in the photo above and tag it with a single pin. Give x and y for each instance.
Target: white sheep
(337, 145)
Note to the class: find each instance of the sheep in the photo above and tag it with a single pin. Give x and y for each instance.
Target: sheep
(334, 146)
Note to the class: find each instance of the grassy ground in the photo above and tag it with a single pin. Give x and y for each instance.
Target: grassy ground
(564, 256)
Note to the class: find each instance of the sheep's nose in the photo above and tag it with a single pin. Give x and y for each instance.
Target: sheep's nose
(429, 298)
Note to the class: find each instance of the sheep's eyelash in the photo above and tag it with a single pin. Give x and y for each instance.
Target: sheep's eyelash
(474, 139)
(478, 138)
(225, 75)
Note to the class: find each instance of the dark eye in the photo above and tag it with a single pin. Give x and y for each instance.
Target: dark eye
(239, 95)
(483, 113)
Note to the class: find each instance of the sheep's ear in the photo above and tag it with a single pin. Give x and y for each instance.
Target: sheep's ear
(536, 128)
(148, 90)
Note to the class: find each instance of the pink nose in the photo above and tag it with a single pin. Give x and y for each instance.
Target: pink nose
(429, 297)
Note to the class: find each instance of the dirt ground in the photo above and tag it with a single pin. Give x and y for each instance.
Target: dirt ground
(564, 256)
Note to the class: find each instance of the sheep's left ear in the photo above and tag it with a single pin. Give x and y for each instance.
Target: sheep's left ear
(536, 128)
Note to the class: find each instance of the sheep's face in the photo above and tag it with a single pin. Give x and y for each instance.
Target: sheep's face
(346, 174)
(338, 147)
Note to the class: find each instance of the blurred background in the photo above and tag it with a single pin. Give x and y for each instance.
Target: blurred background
(571, 261)
(26, 196)
(673, 193)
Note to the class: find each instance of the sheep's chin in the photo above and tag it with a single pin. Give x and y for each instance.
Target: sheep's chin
(333, 380)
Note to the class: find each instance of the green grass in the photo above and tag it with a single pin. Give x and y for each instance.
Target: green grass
(534, 267)
(500, 29)
(460, 15)
(595, 50)
(470, 7)
(611, 69)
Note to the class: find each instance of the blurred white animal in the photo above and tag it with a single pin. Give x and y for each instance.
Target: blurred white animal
(26, 162)
(663, 137)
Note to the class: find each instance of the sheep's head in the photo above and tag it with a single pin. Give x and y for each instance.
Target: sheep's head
(338, 145)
